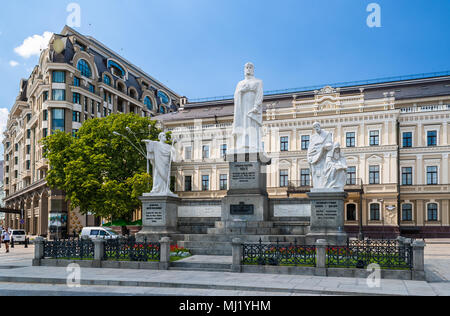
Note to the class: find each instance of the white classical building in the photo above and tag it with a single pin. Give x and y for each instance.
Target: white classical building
(394, 134)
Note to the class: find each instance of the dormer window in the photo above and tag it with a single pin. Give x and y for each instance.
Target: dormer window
(148, 103)
(84, 68)
(116, 69)
(132, 93)
(163, 97)
(107, 80)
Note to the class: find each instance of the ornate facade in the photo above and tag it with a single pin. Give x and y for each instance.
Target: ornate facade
(77, 78)
(394, 135)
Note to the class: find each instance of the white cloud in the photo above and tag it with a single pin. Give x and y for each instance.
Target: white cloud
(3, 120)
(33, 45)
(13, 63)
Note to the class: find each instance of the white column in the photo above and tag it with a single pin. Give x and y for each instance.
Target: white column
(445, 134)
(419, 171)
(419, 135)
(445, 175)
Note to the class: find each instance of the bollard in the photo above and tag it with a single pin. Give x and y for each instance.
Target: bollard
(164, 260)
(38, 251)
(321, 257)
(418, 260)
(99, 252)
(237, 255)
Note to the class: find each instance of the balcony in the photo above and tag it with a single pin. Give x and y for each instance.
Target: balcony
(296, 187)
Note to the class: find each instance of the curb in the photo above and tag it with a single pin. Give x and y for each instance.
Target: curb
(59, 281)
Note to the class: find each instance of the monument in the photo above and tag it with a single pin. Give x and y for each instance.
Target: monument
(247, 199)
(160, 206)
(327, 197)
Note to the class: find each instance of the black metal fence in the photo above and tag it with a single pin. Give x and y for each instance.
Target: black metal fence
(278, 254)
(120, 249)
(388, 254)
(127, 249)
(70, 249)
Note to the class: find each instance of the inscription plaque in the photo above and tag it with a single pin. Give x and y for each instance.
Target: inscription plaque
(242, 209)
(153, 214)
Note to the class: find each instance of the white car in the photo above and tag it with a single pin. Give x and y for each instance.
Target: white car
(18, 235)
(99, 232)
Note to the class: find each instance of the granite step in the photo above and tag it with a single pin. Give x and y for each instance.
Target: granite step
(245, 238)
(200, 266)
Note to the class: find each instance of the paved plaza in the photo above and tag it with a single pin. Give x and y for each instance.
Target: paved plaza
(18, 277)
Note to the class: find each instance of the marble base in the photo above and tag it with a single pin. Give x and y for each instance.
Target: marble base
(327, 217)
(159, 217)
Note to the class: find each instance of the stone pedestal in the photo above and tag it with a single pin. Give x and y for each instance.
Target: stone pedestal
(327, 217)
(247, 199)
(159, 217)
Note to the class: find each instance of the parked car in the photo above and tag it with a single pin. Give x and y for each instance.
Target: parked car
(18, 235)
(99, 232)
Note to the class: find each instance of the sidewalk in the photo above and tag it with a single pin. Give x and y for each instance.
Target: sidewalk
(216, 281)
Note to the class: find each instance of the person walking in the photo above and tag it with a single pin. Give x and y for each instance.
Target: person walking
(6, 237)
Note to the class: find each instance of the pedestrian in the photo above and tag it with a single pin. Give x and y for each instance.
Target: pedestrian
(6, 239)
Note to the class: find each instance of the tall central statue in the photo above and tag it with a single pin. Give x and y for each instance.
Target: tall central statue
(248, 112)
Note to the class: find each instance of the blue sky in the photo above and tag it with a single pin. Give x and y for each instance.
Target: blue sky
(198, 47)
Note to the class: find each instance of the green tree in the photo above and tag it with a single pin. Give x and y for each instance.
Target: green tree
(100, 171)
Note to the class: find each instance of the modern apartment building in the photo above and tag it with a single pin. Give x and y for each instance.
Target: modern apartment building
(77, 78)
(394, 133)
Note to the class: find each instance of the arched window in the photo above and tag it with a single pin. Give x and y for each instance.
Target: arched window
(107, 80)
(116, 69)
(133, 93)
(432, 210)
(162, 110)
(351, 212)
(148, 103)
(407, 212)
(375, 212)
(163, 97)
(84, 68)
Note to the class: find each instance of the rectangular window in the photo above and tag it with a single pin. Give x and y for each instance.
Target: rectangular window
(76, 98)
(45, 95)
(374, 138)
(432, 175)
(351, 139)
(76, 81)
(28, 149)
(432, 210)
(284, 178)
(284, 143)
(58, 120)
(407, 139)
(351, 176)
(375, 212)
(432, 138)
(59, 95)
(188, 153)
(305, 142)
(407, 176)
(188, 183)
(16, 147)
(28, 117)
(91, 88)
(44, 133)
(374, 175)
(407, 212)
(223, 150)
(45, 115)
(76, 116)
(205, 152)
(28, 163)
(105, 112)
(59, 77)
(16, 160)
(28, 133)
(205, 182)
(305, 178)
(223, 182)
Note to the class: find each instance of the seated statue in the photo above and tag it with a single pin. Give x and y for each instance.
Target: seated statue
(335, 169)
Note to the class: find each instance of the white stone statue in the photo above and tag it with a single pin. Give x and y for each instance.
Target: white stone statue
(160, 156)
(248, 112)
(328, 165)
(336, 169)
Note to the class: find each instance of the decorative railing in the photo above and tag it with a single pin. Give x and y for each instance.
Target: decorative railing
(69, 249)
(388, 254)
(127, 249)
(279, 254)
